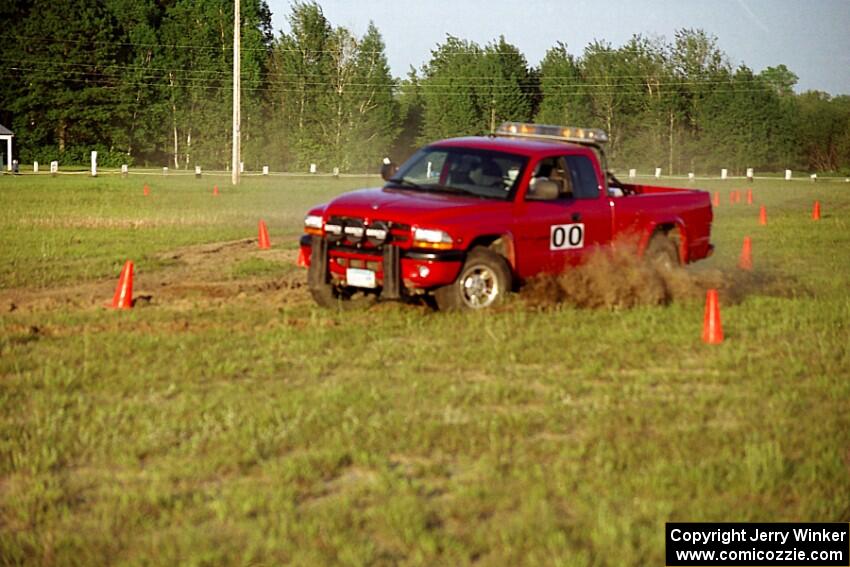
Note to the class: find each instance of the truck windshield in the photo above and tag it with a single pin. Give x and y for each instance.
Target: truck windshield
(482, 173)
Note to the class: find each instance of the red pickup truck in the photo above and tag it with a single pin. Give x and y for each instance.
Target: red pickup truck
(467, 220)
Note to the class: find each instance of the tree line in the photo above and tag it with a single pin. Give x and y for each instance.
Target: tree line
(150, 81)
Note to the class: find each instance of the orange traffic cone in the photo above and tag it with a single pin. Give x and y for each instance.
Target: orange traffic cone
(716, 199)
(731, 197)
(146, 190)
(302, 258)
(749, 196)
(763, 216)
(215, 190)
(123, 298)
(745, 262)
(264, 241)
(712, 330)
(816, 211)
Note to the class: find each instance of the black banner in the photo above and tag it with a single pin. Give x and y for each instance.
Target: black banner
(693, 544)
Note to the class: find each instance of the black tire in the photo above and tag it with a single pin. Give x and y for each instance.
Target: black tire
(331, 296)
(663, 251)
(325, 293)
(484, 281)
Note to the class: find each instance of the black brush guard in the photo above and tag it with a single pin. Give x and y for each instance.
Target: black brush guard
(318, 274)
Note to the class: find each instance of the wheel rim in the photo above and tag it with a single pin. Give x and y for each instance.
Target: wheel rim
(479, 287)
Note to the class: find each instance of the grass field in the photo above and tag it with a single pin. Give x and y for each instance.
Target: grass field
(226, 420)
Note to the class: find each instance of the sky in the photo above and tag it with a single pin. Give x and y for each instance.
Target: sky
(812, 38)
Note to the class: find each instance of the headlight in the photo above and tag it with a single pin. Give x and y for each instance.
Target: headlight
(431, 238)
(313, 224)
(377, 233)
(333, 231)
(354, 231)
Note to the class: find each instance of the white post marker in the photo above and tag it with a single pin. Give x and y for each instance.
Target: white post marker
(814, 176)
(35, 167)
(657, 172)
(54, 168)
(124, 169)
(94, 164)
(632, 173)
(691, 177)
(750, 173)
(197, 171)
(265, 170)
(312, 168)
(336, 172)
(241, 167)
(165, 171)
(787, 175)
(724, 173)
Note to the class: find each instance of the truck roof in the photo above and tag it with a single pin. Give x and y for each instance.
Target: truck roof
(522, 146)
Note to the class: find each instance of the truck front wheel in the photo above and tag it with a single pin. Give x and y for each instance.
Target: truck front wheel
(484, 280)
(330, 296)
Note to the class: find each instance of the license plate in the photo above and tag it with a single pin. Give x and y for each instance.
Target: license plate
(360, 278)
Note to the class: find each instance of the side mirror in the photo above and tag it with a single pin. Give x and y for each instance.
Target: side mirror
(542, 189)
(388, 169)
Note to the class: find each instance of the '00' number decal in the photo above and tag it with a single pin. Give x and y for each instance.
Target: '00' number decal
(566, 236)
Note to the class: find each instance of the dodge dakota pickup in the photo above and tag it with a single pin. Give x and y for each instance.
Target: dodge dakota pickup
(465, 221)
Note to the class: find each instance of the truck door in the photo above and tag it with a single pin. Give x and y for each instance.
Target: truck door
(554, 234)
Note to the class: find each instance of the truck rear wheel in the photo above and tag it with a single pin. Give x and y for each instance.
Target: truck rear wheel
(484, 281)
(662, 251)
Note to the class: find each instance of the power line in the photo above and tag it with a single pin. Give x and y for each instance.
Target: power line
(106, 83)
(568, 80)
(278, 47)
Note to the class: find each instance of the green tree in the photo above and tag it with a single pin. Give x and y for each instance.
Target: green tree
(300, 68)
(197, 61)
(333, 96)
(564, 97)
(375, 111)
(700, 70)
(822, 131)
(411, 108)
(450, 105)
(468, 90)
(68, 70)
(781, 79)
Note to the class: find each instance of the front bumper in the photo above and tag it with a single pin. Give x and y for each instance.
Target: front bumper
(395, 268)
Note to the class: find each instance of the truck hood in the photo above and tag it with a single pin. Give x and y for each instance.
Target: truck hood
(406, 205)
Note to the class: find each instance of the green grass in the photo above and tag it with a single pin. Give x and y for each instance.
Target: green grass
(245, 426)
(61, 230)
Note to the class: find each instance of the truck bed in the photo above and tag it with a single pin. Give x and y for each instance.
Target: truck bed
(689, 210)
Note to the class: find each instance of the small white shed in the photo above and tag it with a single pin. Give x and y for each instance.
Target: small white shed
(6, 134)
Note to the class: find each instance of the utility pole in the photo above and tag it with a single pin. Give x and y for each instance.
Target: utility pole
(237, 119)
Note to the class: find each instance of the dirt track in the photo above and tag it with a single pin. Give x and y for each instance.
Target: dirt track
(202, 274)
(196, 274)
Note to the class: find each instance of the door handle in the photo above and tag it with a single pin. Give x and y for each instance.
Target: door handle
(576, 217)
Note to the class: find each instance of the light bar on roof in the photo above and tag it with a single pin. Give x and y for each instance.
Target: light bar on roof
(549, 132)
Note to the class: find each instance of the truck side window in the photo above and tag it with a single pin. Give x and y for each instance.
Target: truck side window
(584, 182)
(553, 169)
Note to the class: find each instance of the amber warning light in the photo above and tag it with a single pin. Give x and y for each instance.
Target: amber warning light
(548, 131)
